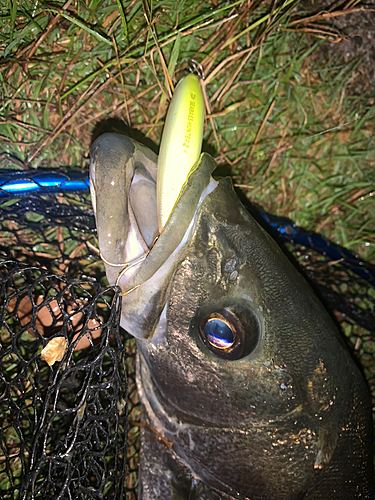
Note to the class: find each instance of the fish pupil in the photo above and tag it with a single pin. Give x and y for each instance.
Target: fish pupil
(219, 334)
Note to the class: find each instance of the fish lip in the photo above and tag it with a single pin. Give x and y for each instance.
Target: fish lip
(142, 273)
(145, 293)
(115, 159)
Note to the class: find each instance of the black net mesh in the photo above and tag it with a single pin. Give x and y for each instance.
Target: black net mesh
(64, 428)
(69, 407)
(63, 425)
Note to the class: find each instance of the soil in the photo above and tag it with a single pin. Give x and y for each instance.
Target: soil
(355, 40)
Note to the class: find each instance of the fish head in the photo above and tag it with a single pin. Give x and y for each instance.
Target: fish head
(240, 366)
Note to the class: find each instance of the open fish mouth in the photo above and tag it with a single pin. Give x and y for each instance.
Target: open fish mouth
(136, 257)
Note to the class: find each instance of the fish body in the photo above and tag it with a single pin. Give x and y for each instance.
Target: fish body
(246, 385)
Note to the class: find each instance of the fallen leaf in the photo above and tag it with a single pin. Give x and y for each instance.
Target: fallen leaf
(54, 350)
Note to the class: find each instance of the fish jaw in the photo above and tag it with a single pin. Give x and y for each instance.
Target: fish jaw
(123, 190)
(290, 417)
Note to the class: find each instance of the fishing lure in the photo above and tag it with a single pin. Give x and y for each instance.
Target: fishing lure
(181, 144)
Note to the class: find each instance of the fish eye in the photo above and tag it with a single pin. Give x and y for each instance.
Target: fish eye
(218, 333)
(223, 332)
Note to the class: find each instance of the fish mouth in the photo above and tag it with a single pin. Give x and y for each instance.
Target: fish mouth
(137, 259)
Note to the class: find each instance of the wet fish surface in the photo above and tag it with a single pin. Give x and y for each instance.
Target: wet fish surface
(242, 373)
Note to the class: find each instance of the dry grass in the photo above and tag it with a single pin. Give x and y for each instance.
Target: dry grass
(287, 127)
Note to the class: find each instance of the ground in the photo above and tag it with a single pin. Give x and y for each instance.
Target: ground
(355, 40)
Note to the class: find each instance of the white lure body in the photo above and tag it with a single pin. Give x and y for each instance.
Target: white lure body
(181, 144)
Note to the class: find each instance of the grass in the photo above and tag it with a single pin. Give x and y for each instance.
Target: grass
(288, 127)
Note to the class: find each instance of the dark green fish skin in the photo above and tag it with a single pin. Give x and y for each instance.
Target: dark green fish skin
(290, 419)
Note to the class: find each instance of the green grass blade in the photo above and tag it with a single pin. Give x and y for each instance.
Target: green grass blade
(82, 25)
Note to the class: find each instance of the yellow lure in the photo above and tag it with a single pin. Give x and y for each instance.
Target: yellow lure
(181, 144)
